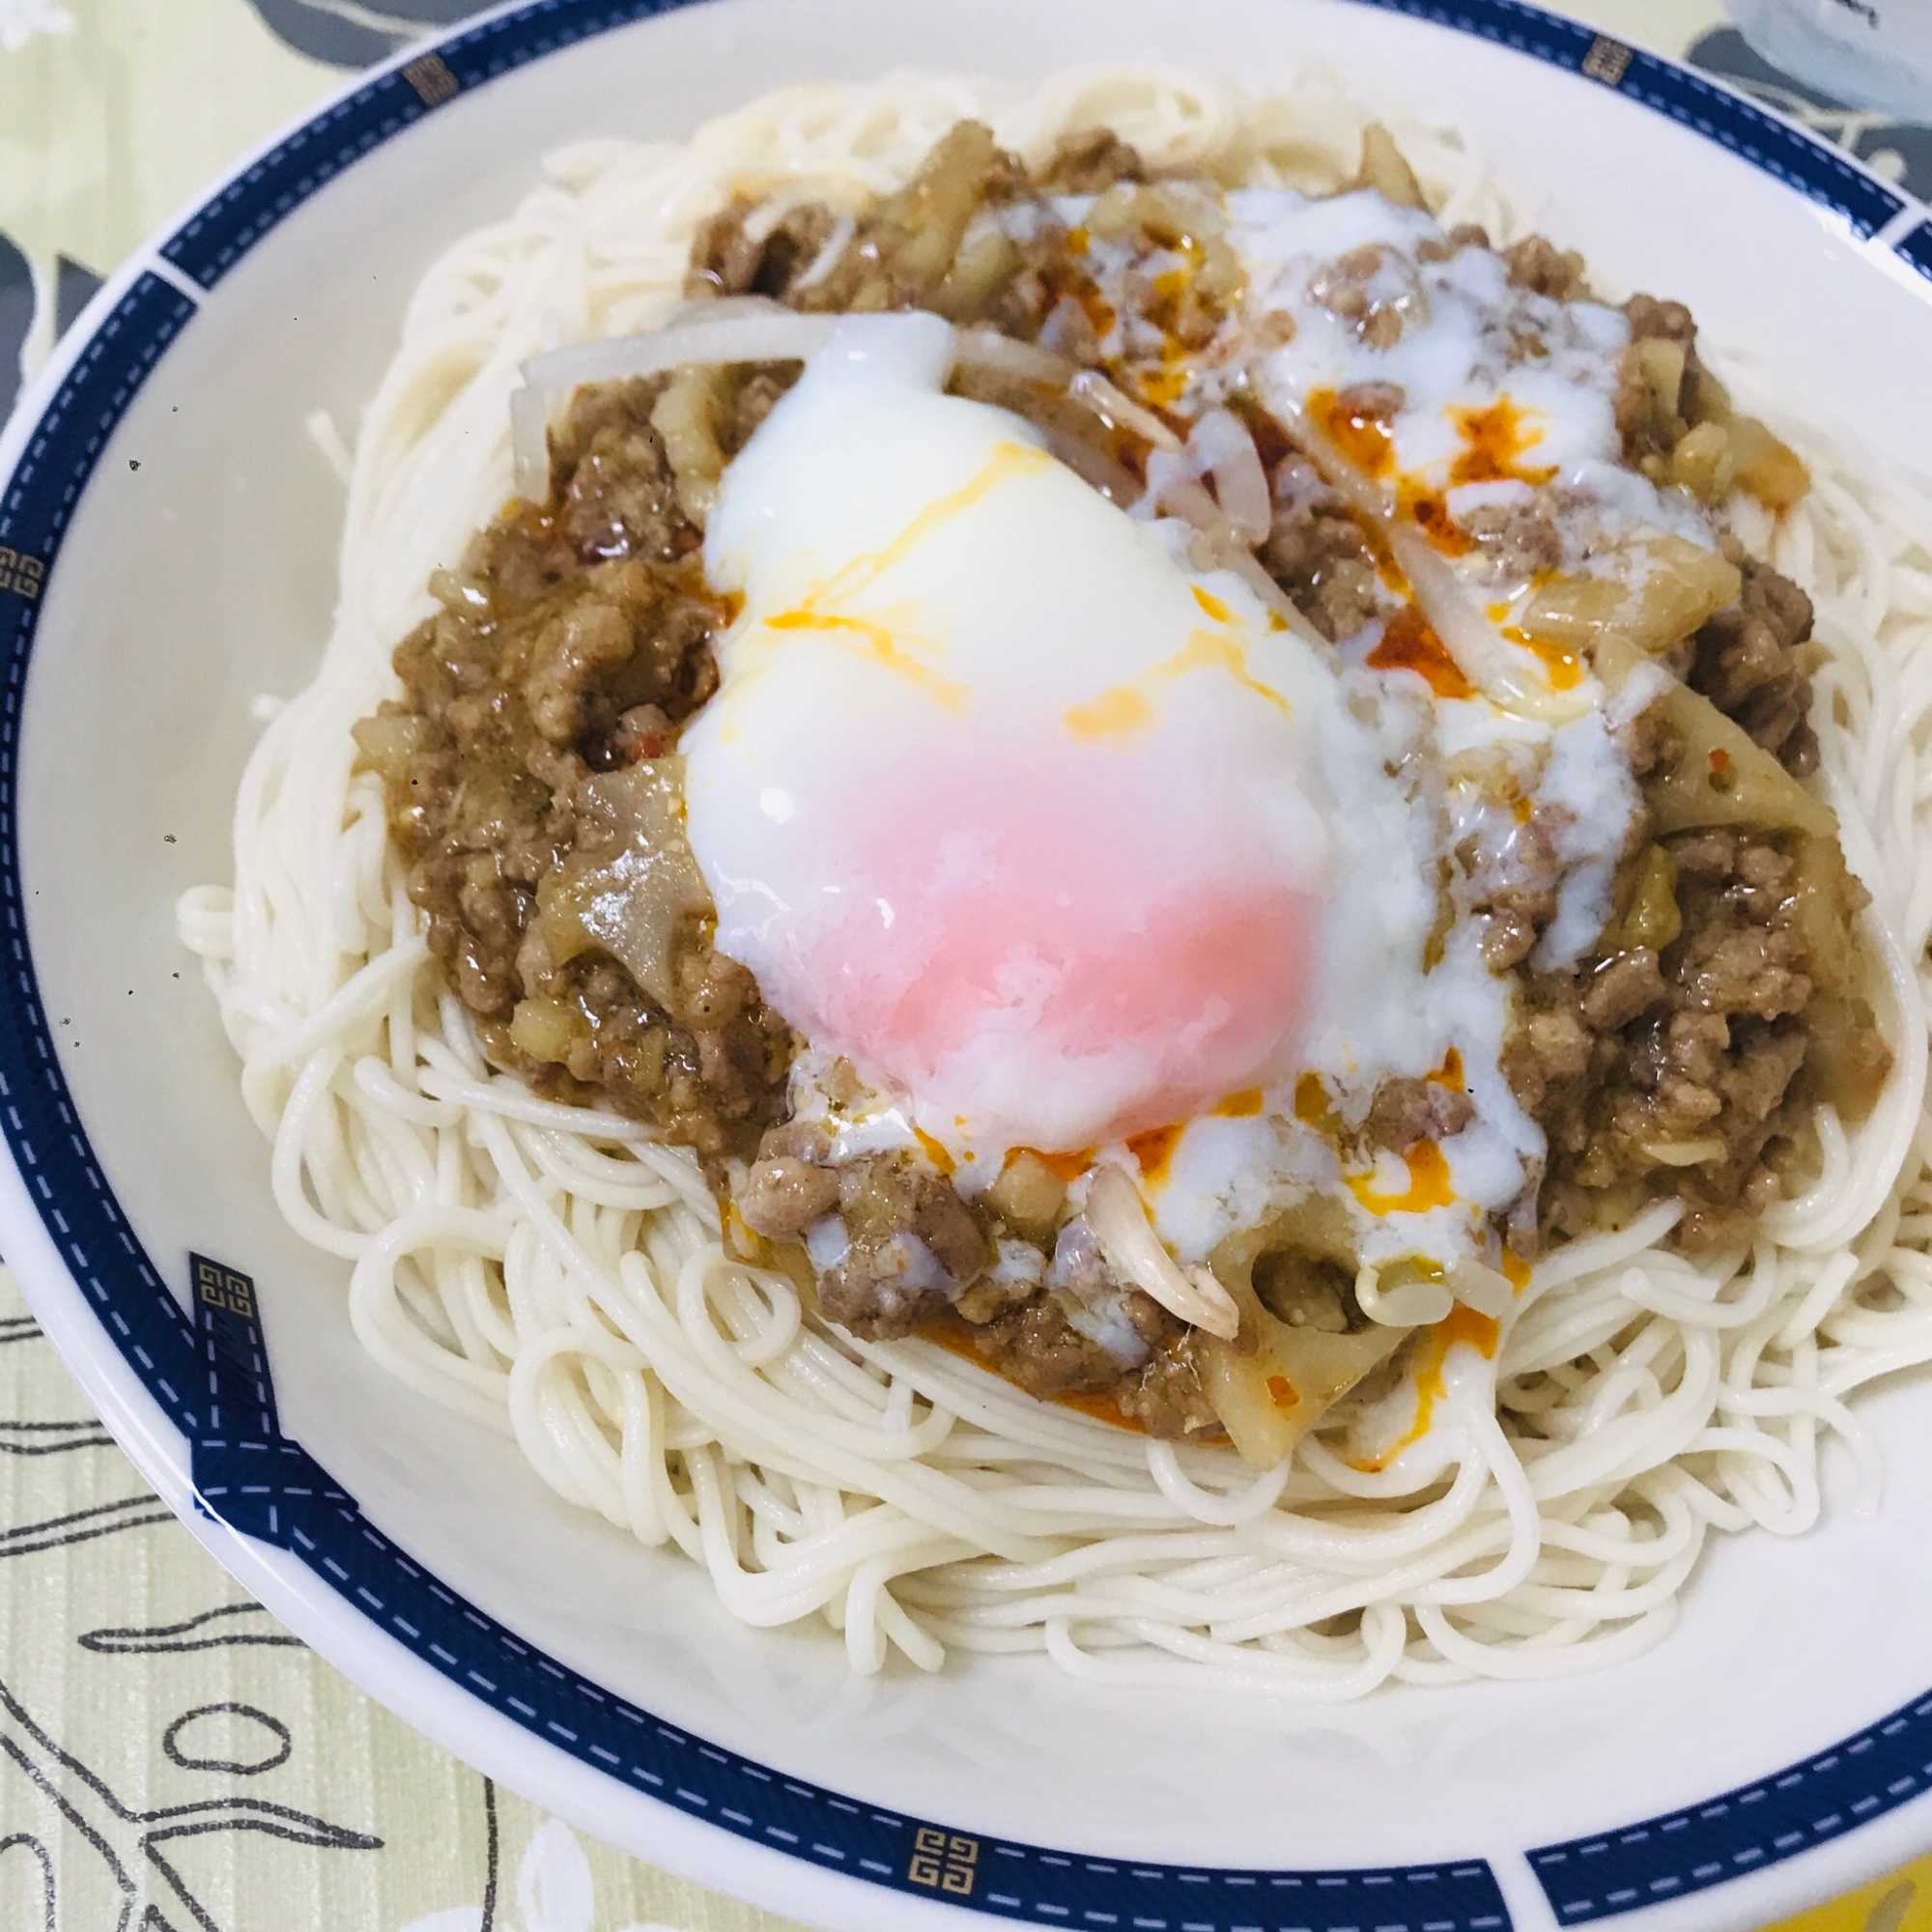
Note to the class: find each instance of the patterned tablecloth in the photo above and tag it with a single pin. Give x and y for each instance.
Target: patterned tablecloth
(169, 1756)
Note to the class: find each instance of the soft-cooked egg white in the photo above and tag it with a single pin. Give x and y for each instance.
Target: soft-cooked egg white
(1058, 839)
(998, 797)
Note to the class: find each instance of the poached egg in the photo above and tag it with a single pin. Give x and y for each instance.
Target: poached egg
(1000, 798)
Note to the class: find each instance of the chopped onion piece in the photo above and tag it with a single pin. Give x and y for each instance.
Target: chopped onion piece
(1686, 1153)
(1174, 486)
(1127, 1238)
(632, 881)
(1227, 451)
(1092, 464)
(1481, 1288)
(1342, 476)
(753, 328)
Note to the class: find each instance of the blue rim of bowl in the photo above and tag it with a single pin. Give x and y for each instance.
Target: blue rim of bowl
(210, 1373)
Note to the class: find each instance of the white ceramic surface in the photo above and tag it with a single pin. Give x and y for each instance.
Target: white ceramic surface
(187, 585)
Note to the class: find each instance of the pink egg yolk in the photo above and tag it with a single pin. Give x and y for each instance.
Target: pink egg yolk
(1053, 952)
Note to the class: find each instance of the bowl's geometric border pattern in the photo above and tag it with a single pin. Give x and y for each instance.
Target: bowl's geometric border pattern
(211, 1378)
(1917, 247)
(220, 232)
(1706, 1844)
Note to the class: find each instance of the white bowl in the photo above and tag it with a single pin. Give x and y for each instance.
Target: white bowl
(166, 552)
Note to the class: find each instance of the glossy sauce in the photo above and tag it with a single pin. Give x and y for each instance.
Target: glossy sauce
(1408, 642)
(1497, 437)
(1366, 441)
(1429, 514)
(935, 1151)
(1241, 1106)
(1430, 1184)
(1067, 1167)
(1154, 1152)
(1565, 667)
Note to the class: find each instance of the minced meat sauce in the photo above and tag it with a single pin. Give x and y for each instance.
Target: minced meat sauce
(572, 640)
(1682, 1056)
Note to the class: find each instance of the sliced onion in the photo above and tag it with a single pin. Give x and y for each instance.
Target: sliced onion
(753, 328)
(1499, 673)
(829, 250)
(1341, 477)
(989, 349)
(1132, 1248)
(1173, 489)
(1092, 464)
(724, 329)
(1686, 1153)
(747, 335)
(766, 333)
(1481, 1288)
(1175, 485)
(1114, 408)
(1227, 451)
(530, 444)
(1248, 568)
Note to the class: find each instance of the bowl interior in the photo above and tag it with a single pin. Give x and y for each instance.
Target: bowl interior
(198, 573)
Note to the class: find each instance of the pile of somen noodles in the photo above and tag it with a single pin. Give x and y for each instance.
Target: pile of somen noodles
(1526, 1478)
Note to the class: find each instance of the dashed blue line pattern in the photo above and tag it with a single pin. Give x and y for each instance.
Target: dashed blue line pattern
(241, 1397)
(1917, 247)
(269, 1488)
(1529, 30)
(223, 229)
(1796, 158)
(1822, 173)
(218, 234)
(36, 1109)
(1746, 1830)
(246, 1472)
(39, 499)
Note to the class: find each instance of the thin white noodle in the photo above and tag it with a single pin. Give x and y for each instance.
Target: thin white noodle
(558, 1274)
